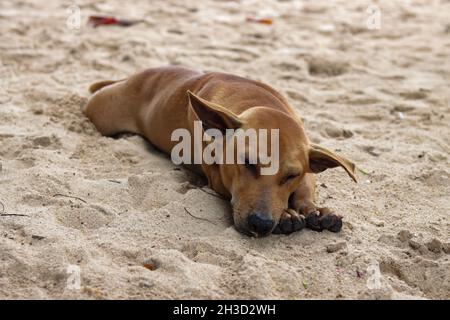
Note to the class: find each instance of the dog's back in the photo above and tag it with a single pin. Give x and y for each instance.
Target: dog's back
(154, 102)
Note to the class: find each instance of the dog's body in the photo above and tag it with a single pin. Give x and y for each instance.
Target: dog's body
(155, 102)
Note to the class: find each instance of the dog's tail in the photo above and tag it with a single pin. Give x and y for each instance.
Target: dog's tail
(98, 85)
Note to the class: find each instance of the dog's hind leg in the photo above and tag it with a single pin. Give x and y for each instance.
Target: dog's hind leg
(111, 109)
(98, 85)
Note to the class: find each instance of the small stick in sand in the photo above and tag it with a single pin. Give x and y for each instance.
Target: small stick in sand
(64, 195)
(212, 193)
(13, 215)
(3, 214)
(187, 211)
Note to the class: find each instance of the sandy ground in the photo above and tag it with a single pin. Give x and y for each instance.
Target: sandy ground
(381, 97)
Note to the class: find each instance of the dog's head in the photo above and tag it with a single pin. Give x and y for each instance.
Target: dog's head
(259, 189)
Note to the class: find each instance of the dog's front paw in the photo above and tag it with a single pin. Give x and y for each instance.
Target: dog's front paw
(290, 221)
(324, 219)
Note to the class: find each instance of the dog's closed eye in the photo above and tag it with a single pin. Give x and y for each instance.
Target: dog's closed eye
(252, 167)
(289, 177)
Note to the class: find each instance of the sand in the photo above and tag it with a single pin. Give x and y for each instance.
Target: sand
(106, 206)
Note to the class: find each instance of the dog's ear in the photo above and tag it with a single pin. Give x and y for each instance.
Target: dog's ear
(212, 115)
(321, 159)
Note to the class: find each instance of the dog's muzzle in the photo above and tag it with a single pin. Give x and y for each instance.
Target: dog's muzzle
(260, 224)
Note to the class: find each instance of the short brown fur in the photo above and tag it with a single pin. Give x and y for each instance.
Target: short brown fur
(155, 102)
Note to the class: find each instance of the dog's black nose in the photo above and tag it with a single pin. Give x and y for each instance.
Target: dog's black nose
(260, 223)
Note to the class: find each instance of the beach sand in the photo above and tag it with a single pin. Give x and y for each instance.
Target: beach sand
(76, 203)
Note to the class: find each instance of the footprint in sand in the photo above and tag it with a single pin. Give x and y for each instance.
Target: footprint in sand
(415, 95)
(329, 130)
(204, 252)
(66, 110)
(152, 190)
(20, 148)
(83, 216)
(374, 150)
(322, 67)
(286, 66)
(46, 142)
(432, 177)
(417, 262)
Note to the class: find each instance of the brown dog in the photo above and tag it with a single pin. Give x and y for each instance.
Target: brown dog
(155, 102)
